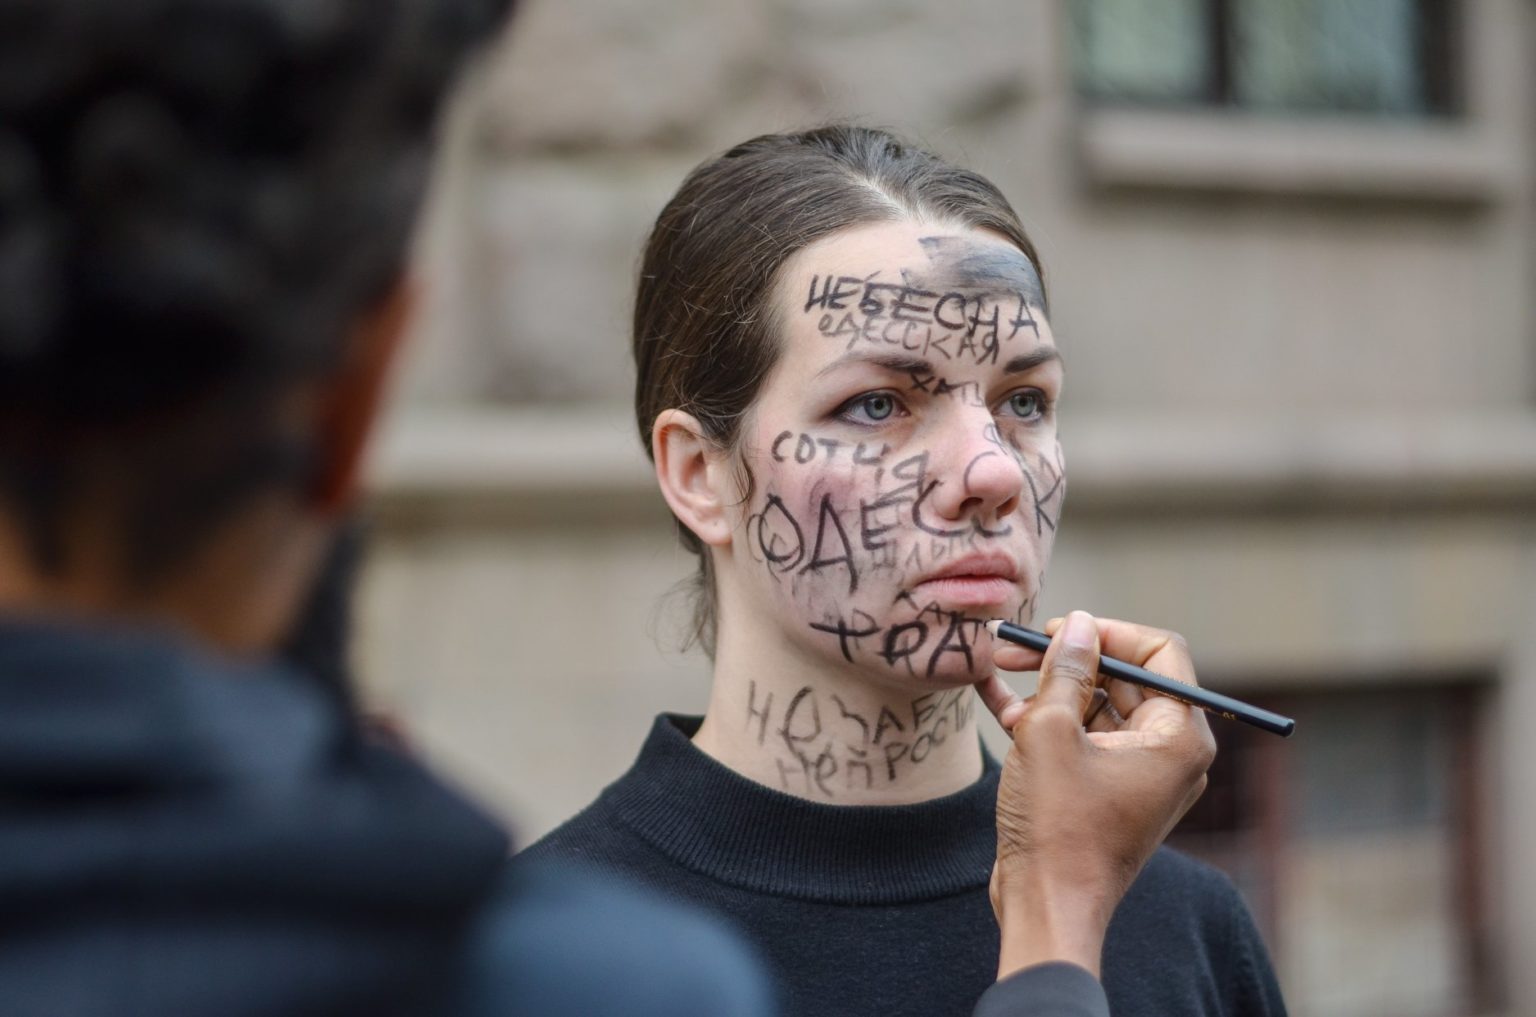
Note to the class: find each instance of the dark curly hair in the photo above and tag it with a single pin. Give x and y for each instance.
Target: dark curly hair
(197, 199)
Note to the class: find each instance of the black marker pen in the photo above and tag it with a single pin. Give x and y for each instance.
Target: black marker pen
(1213, 702)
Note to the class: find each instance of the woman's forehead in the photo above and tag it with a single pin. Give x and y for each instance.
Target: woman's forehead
(977, 261)
(925, 255)
(967, 297)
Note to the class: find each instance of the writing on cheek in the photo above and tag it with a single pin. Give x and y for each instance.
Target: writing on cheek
(892, 526)
(1047, 489)
(780, 539)
(1046, 477)
(851, 552)
(805, 448)
(917, 644)
(825, 748)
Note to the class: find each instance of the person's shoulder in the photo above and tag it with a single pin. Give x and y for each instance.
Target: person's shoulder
(595, 837)
(1173, 877)
(598, 835)
(1185, 907)
(1178, 897)
(561, 939)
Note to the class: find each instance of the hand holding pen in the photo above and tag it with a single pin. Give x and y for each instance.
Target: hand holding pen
(1094, 782)
(1184, 692)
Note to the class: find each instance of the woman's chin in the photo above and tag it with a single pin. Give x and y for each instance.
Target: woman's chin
(960, 669)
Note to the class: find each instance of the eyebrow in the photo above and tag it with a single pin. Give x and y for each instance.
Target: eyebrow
(891, 362)
(1030, 361)
(1021, 364)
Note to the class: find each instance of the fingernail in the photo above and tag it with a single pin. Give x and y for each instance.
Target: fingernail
(1080, 632)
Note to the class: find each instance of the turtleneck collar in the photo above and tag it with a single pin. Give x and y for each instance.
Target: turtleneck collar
(714, 821)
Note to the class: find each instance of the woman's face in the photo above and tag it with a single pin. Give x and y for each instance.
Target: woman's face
(908, 479)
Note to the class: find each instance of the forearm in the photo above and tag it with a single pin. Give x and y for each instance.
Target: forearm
(1040, 922)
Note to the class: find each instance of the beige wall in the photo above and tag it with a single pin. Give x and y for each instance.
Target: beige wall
(1301, 413)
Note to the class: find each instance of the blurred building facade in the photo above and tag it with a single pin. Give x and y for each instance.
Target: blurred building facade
(1293, 268)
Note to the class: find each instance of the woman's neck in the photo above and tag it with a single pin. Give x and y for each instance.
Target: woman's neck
(831, 736)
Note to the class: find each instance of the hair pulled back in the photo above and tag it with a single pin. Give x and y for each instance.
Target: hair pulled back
(705, 336)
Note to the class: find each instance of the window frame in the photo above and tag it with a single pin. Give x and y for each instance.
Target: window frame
(1264, 774)
(1438, 61)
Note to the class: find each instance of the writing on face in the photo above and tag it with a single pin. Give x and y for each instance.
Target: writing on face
(909, 478)
(966, 301)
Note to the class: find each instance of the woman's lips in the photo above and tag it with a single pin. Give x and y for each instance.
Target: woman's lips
(976, 580)
(968, 590)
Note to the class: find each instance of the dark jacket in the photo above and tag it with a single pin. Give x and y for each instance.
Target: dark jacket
(185, 835)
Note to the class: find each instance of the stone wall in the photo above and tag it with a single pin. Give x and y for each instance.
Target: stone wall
(1199, 263)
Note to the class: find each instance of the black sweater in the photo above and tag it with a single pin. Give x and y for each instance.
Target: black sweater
(884, 910)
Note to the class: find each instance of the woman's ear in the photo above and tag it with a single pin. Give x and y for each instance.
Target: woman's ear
(694, 476)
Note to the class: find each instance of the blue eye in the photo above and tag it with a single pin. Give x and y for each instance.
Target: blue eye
(878, 406)
(870, 408)
(1027, 404)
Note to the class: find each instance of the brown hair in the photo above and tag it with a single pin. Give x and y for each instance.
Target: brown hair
(705, 337)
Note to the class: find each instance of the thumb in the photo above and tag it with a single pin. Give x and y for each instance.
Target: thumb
(1069, 673)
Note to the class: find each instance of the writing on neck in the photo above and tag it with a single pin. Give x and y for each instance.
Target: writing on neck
(820, 746)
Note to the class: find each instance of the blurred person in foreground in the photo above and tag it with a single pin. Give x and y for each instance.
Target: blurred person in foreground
(204, 210)
(204, 207)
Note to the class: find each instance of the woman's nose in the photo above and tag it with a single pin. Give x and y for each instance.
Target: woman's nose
(978, 476)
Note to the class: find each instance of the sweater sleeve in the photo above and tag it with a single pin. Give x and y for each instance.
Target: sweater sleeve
(1045, 990)
(563, 942)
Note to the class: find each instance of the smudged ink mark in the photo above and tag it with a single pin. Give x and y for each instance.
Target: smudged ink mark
(829, 521)
(778, 535)
(959, 263)
(847, 634)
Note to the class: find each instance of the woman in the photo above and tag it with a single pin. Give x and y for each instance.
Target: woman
(848, 383)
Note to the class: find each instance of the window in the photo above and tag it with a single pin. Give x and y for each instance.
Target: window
(1374, 57)
(1358, 846)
